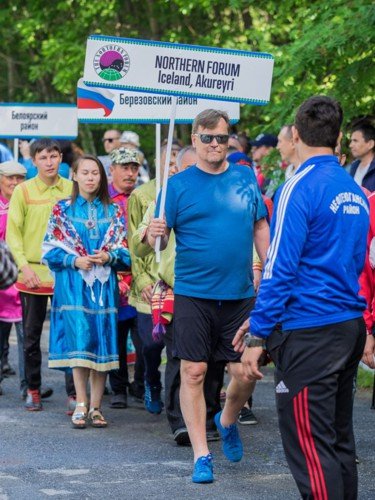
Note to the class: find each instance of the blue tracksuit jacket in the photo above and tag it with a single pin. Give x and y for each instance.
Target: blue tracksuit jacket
(317, 252)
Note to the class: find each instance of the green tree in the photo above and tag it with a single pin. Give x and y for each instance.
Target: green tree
(320, 46)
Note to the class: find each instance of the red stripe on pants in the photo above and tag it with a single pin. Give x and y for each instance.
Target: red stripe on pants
(318, 465)
(298, 415)
(301, 415)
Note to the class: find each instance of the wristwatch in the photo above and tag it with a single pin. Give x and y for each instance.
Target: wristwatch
(252, 341)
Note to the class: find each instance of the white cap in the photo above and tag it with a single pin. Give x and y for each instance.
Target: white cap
(12, 167)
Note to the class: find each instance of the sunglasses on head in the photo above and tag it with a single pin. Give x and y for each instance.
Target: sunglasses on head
(110, 139)
(208, 138)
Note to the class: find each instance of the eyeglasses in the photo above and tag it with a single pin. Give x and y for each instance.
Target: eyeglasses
(110, 139)
(208, 138)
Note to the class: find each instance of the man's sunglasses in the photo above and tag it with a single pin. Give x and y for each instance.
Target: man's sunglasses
(110, 139)
(208, 138)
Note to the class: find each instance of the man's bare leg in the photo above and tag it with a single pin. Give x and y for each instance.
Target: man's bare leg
(193, 405)
(239, 390)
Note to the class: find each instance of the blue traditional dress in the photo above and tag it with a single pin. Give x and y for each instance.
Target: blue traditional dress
(84, 305)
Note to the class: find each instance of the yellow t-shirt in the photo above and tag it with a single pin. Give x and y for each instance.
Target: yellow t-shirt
(29, 210)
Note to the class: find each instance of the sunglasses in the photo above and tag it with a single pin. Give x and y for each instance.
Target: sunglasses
(208, 138)
(110, 139)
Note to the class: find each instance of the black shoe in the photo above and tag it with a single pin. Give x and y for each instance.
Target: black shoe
(8, 370)
(106, 392)
(212, 435)
(181, 436)
(247, 417)
(46, 392)
(136, 391)
(119, 401)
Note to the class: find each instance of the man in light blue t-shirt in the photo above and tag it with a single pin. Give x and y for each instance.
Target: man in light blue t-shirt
(216, 211)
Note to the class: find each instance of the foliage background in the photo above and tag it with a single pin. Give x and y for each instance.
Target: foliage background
(320, 46)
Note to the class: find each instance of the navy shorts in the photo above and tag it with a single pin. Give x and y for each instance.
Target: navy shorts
(204, 328)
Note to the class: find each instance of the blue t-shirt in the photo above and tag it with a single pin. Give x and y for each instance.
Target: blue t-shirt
(213, 218)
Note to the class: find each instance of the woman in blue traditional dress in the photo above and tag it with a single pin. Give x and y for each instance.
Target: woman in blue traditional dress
(84, 247)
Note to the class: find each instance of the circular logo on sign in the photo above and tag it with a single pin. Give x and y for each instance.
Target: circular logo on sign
(111, 62)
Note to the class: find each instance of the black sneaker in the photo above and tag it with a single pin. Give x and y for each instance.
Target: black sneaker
(212, 435)
(136, 391)
(46, 392)
(247, 417)
(119, 401)
(8, 370)
(181, 436)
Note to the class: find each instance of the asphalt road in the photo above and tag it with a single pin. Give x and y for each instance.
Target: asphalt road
(41, 456)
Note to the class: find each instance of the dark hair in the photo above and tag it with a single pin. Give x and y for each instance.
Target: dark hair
(244, 141)
(102, 193)
(318, 121)
(67, 152)
(209, 118)
(367, 130)
(40, 144)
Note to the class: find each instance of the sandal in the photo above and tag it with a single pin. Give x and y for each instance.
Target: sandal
(96, 418)
(79, 417)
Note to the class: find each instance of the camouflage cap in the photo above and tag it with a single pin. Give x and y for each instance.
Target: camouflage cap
(121, 156)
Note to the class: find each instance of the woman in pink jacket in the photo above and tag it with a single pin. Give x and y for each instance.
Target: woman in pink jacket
(11, 174)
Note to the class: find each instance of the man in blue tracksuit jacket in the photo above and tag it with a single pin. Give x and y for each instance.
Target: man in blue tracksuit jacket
(310, 287)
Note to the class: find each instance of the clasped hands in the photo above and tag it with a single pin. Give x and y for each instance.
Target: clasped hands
(88, 261)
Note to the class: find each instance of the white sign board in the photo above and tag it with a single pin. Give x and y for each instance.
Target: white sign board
(26, 120)
(175, 69)
(98, 105)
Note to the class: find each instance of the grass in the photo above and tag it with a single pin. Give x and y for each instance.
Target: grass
(365, 378)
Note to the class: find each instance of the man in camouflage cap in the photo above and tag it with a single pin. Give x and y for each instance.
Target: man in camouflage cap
(124, 170)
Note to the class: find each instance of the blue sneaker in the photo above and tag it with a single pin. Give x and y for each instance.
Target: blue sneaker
(153, 403)
(232, 445)
(203, 470)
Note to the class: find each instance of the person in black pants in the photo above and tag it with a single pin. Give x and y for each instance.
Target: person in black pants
(125, 164)
(34, 310)
(119, 379)
(310, 286)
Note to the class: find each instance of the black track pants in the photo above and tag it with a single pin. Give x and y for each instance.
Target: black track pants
(314, 375)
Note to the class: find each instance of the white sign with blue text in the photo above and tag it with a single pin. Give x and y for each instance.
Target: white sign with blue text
(30, 120)
(98, 105)
(176, 69)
